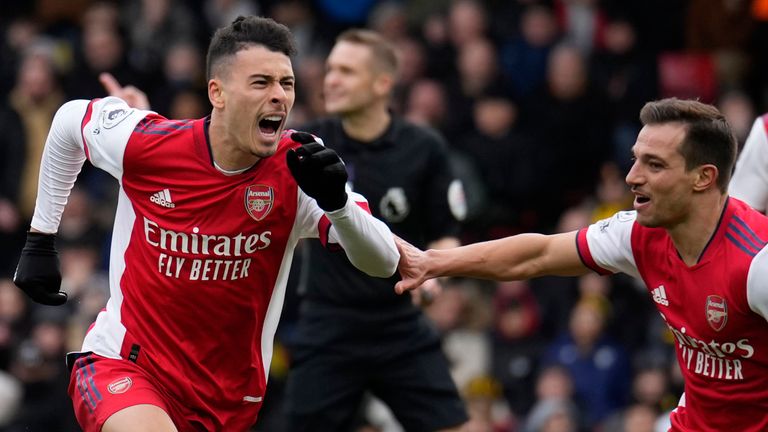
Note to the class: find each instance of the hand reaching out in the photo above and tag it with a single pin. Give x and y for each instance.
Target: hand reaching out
(412, 266)
(134, 97)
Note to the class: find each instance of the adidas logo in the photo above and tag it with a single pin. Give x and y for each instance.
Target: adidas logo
(162, 198)
(660, 296)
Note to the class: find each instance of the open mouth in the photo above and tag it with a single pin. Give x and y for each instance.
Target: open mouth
(269, 125)
(641, 199)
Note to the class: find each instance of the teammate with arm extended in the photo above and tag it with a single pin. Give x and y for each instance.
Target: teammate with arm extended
(209, 213)
(750, 179)
(354, 334)
(701, 254)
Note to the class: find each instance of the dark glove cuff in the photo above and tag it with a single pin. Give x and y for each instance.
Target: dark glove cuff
(330, 204)
(41, 243)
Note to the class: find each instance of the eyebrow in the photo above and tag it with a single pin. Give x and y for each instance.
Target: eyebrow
(271, 77)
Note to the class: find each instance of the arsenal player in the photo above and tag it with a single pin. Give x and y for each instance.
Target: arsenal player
(209, 213)
(701, 254)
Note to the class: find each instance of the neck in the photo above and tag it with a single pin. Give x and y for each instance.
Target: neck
(366, 125)
(692, 236)
(224, 150)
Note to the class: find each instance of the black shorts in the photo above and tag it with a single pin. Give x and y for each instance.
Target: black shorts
(326, 385)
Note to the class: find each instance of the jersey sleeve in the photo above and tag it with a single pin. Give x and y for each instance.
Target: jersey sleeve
(106, 128)
(97, 130)
(757, 284)
(606, 246)
(367, 241)
(750, 179)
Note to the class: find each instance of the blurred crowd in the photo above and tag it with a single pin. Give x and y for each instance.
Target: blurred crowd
(539, 102)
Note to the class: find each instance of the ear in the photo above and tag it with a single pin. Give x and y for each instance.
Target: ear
(706, 177)
(216, 93)
(383, 83)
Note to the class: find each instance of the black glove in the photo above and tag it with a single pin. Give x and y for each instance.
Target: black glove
(319, 172)
(38, 273)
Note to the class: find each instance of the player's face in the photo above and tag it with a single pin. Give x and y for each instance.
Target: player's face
(663, 188)
(349, 78)
(258, 91)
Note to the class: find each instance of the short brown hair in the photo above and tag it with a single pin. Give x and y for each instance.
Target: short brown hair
(382, 51)
(243, 33)
(708, 138)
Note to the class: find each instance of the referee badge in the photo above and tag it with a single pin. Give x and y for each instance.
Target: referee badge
(258, 201)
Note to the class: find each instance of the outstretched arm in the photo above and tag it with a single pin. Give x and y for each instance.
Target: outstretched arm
(522, 256)
(321, 175)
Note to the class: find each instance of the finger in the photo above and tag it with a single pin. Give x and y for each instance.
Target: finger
(325, 157)
(303, 137)
(402, 287)
(44, 297)
(110, 84)
(292, 159)
(313, 147)
(56, 299)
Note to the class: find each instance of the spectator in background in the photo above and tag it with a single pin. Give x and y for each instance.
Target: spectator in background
(554, 409)
(723, 29)
(14, 321)
(509, 162)
(19, 35)
(517, 344)
(467, 23)
(352, 328)
(154, 26)
(739, 110)
(560, 117)
(12, 156)
(183, 78)
(629, 77)
(103, 50)
(524, 57)
(427, 104)
(38, 366)
(582, 23)
(599, 366)
(219, 13)
(35, 99)
(478, 74)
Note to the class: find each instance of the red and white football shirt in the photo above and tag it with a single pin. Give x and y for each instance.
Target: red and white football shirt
(199, 259)
(716, 309)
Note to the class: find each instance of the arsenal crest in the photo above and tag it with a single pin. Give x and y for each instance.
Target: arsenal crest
(717, 312)
(259, 200)
(120, 386)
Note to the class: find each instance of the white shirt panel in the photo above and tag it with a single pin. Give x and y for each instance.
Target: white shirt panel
(757, 284)
(610, 243)
(367, 241)
(750, 180)
(108, 131)
(108, 332)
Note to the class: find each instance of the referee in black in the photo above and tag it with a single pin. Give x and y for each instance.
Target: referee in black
(354, 334)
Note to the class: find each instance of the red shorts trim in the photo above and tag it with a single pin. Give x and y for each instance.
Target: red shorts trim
(101, 386)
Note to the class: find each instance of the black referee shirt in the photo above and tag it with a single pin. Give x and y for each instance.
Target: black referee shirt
(405, 175)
